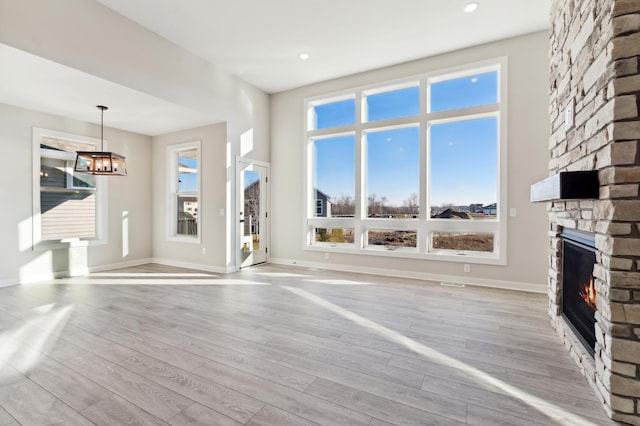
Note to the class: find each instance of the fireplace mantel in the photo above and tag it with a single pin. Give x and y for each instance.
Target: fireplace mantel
(566, 186)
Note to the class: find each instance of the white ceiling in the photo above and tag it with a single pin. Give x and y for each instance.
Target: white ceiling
(31, 82)
(259, 41)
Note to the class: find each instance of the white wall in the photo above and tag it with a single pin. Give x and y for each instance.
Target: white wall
(213, 198)
(528, 133)
(85, 35)
(128, 199)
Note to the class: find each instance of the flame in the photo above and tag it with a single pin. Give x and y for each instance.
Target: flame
(588, 293)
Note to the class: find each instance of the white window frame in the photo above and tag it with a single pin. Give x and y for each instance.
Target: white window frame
(173, 152)
(101, 190)
(69, 158)
(69, 169)
(424, 224)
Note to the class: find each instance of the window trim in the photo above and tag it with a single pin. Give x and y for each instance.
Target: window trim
(101, 190)
(172, 192)
(424, 225)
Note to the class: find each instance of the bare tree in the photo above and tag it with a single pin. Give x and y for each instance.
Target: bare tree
(251, 203)
(345, 205)
(411, 204)
(376, 205)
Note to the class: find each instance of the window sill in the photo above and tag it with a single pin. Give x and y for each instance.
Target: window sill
(68, 244)
(184, 239)
(408, 253)
(69, 190)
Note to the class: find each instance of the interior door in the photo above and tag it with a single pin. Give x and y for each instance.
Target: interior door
(252, 178)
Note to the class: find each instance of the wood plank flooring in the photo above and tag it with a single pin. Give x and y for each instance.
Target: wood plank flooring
(273, 345)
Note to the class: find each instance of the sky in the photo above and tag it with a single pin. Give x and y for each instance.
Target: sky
(188, 181)
(250, 177)
(463, 154)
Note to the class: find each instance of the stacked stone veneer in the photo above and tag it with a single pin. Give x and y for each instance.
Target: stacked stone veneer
(595, 52)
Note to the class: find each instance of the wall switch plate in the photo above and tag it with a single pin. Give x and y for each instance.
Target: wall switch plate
(204, 250)
(221, 212)
(467, 267)
(512, 212)
(569, 114)
(326, 256)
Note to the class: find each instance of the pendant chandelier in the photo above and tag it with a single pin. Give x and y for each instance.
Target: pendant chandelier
(100, 162)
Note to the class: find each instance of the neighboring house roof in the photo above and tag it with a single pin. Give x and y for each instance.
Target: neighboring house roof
(322, 194)
(452, 214)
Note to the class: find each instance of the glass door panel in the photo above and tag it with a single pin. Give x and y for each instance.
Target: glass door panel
(253, 230)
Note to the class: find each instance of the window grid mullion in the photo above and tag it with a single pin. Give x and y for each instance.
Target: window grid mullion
(358, 232)
(422, 237)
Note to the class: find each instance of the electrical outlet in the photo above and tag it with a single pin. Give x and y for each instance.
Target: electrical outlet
(512, 212)
(204, 250)
(467, 267)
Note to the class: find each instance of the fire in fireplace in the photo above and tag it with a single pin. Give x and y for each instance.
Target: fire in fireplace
(578, 291)
(588, 293)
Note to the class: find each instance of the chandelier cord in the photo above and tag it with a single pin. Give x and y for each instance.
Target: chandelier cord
(101, 127)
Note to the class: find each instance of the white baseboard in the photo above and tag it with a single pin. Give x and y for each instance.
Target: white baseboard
(119, 265)
(198, 266)
(9, 283)
(453, 279)
(48, 276)
(466, 280)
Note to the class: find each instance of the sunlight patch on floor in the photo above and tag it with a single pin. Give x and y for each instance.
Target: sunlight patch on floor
(155, 282)
(339, 282)
(43, 331)
(546, 408)
(280, 274)
(152, 274)
(44, 309)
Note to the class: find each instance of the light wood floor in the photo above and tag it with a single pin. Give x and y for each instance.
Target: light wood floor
(282, 346)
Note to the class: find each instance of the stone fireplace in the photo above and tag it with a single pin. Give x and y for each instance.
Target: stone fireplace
(594, 102)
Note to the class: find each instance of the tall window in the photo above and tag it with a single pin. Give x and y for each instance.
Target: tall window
(184, 191)
(413, 168)
(66, 204)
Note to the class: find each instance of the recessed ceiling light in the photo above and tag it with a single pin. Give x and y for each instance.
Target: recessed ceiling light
(471, 7)
(304, 56)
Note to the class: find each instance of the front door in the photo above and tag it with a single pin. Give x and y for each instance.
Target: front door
(252, 178)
